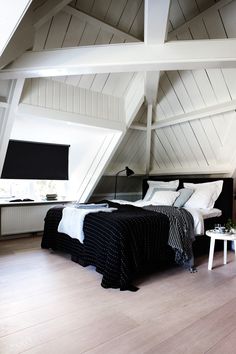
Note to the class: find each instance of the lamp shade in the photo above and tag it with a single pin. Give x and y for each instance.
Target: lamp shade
(129, 172)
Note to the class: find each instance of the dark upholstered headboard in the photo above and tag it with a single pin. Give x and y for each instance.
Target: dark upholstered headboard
(224, 202)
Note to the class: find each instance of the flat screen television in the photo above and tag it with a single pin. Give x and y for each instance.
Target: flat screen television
(33, 160)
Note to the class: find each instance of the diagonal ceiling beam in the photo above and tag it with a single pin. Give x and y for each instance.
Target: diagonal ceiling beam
(179, 55)
(198, 114)
(220, 108)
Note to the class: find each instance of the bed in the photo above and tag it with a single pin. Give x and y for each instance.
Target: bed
(121, 244)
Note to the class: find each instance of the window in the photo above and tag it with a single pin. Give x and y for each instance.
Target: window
(33, 189)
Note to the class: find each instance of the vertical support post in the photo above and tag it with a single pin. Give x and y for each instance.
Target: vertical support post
(9, 117)
(148, 138)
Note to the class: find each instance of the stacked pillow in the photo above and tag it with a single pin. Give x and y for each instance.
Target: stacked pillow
(205, 194)
(162, 193)
(155, 186)
(164, 197)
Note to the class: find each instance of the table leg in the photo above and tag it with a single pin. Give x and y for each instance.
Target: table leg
(211, 254)
(225, 251)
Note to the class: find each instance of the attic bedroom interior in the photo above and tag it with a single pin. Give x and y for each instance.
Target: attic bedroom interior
(118, 168)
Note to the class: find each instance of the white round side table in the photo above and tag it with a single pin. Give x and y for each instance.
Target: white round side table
(219, 236)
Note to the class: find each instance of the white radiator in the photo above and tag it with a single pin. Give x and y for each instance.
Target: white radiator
(23, 219)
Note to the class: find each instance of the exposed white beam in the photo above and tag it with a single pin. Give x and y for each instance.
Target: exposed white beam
(198, 114)
(156, 15)
(94, 21)
(151, 86)
(139, 126)
(9, 117)
(179, 55)
(223, 169)
(46, 113)
(47, 10)
(183, 28)
(99, 169)
(148, 139)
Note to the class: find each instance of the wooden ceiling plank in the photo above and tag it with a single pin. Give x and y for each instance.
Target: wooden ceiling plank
(45, 12)
(11, 17)
(183, 28)
(98, 23)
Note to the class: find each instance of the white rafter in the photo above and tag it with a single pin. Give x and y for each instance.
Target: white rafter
(156, 15)
(198, 114)
(179, 55)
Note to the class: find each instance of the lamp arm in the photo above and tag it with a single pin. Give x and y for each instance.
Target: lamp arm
(116, 181)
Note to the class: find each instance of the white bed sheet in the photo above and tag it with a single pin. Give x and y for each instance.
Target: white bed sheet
(199, 215)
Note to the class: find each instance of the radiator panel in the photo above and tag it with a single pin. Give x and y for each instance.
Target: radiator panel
(23, 219)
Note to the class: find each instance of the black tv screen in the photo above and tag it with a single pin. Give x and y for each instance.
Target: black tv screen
(30, 160)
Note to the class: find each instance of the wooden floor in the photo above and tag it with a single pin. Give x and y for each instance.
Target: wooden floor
(50, 305)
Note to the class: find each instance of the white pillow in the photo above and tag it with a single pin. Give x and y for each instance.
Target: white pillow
(164, 198)
(205, 194)
(154, 186)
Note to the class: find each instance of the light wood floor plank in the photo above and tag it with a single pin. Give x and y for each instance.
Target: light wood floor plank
(49, 304)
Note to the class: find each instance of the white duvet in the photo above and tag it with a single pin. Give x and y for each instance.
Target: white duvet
(72, 221)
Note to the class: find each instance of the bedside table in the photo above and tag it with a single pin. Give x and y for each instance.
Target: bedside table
(219, 236)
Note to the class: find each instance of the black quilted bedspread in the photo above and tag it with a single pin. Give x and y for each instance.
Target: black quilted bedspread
(118, 244)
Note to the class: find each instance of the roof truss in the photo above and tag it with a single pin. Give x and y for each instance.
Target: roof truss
(179, 55)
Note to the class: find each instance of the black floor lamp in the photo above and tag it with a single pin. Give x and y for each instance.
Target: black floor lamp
(128, 171)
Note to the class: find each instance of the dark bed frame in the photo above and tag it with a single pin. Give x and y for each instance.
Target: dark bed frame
(224, 203)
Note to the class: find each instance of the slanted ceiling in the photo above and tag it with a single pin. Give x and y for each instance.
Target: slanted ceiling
(171, 121)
